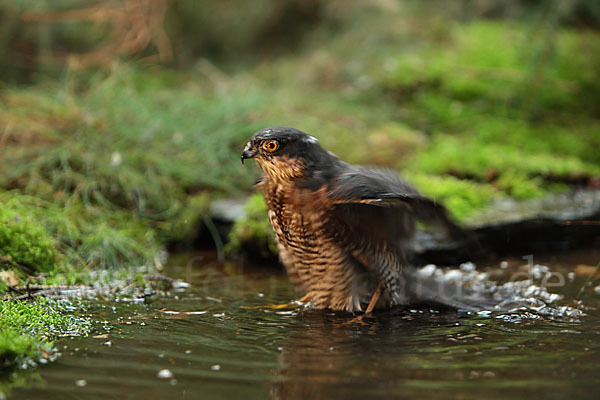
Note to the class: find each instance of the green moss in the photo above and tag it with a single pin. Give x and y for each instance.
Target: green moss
(26, 242)
(463, 198)
(480, 159)
(505, 103)
(3, 283)
(519, 185)
(86, 236)
(254, 230)
(29, 329)
(506, 63)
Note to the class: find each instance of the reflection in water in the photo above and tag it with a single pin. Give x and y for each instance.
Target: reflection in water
(327, 359)
(436, 355)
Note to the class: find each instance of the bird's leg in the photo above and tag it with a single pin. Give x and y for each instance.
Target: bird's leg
(304, 299)
(370, 307)
(374, 298)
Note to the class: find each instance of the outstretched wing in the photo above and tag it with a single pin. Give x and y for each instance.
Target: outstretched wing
(373, 217)
(381, 188)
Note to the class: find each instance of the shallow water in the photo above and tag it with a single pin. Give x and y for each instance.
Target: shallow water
(215, 347)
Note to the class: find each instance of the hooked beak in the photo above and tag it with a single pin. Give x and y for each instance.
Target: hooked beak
(248, 152)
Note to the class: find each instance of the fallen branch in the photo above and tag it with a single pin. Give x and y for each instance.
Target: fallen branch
(32, 291)
(50, 287)
(29, 295)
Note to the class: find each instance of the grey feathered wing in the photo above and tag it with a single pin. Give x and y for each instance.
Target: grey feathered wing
(373, 217)
(385, 188)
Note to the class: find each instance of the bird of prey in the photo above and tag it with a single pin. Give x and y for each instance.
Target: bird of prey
(345, 232)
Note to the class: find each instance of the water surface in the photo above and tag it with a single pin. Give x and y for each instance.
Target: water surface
(216, 346)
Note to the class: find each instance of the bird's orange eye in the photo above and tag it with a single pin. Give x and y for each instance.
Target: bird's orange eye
(272, 145)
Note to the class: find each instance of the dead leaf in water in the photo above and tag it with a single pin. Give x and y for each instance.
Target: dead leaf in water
(213, 299)
(169, 312)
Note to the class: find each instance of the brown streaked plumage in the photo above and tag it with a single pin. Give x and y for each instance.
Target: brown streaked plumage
(345, 232)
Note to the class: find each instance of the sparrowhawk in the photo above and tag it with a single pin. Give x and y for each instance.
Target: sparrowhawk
(345, 232)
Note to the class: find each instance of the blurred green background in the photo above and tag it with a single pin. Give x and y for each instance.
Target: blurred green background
(121, 121)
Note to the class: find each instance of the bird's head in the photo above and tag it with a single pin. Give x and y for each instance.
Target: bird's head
(286, 153)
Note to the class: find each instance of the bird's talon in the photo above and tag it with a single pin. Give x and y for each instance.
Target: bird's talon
(304, 299)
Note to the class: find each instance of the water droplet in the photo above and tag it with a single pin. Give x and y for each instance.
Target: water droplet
(164, 374)
(468, 267)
